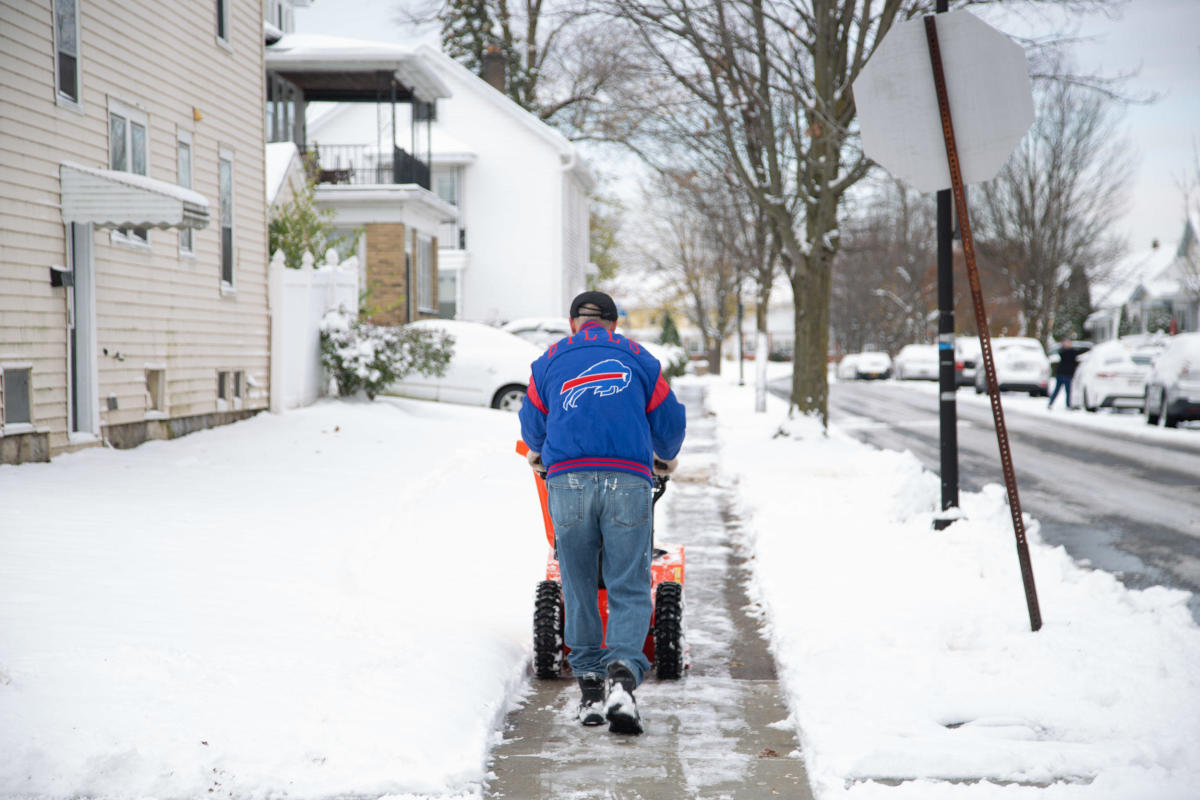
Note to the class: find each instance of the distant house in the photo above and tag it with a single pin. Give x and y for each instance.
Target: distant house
(133, 265)
(378, 186)
(1160, 291)
(518, 245)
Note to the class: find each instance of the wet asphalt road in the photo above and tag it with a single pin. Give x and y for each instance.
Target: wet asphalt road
(1117, 501)
(720, 733)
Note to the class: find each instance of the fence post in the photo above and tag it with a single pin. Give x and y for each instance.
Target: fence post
(275, 304)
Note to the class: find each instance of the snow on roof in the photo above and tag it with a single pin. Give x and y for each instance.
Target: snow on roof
(279, 158)
(308, 52)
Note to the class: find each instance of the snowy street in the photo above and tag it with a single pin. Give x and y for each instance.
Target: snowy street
(337, 602)
(1117, 493)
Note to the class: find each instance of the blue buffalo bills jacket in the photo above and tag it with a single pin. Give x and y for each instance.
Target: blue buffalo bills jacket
(598, 401)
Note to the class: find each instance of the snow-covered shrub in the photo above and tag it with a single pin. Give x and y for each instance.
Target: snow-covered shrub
(674, 359)
(368, 357)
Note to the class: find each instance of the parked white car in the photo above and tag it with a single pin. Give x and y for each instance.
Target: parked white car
(1021, 366)
(541, 331)
(871, 364)
(916, 362)
(967, 357)
(847, 368)
(1173, 388)
(490, 367)
(1112, 375)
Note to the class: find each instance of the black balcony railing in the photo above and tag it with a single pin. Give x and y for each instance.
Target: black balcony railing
(364, 165)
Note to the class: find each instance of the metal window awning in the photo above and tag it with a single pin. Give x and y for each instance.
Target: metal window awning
(112, 199)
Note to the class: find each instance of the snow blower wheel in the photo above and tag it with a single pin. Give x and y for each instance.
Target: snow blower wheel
(669, 646)
(548, 630)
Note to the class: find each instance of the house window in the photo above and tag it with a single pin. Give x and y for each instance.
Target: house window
(225, 181)
(127, 152)
(447, 293)
(184, 159)
(424, 112)
(231, 386)
(447, 185)
(17, 397)
(425, 285)
(223, 21)
(66, 45)
(156, 389)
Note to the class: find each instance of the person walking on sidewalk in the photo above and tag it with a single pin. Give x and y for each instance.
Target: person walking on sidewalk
(1068, 359)
(599, 420)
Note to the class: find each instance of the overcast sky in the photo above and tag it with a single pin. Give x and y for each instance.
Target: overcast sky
(1160, 39)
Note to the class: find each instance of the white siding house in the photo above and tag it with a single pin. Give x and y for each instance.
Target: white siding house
(1159, 290)
(133, 269)
(519, 246)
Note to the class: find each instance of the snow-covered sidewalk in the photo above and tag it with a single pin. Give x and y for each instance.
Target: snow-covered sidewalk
(907, 652)
(333, 601)
(336, 601)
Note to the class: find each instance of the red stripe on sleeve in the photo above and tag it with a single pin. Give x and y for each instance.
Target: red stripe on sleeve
(661, 390)
(532, 394)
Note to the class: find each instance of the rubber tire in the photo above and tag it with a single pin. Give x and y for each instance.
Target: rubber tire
(1087, 407)
(548, 630)
(1167, 420)
(1151, 419)
(509, 398)
(669, 645)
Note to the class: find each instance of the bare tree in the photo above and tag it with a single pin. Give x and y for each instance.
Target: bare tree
(697, 234)
(774, 78)
(884, 278)
(1047, 218)
(563, 62)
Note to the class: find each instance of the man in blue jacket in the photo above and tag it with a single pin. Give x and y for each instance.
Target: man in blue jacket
(599, 419)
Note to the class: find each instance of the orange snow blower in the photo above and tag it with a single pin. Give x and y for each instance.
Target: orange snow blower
(665, 645)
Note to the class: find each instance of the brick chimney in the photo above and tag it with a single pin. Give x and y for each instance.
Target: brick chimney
(493, 68)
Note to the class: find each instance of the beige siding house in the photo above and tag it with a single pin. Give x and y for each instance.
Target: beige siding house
(133, 264)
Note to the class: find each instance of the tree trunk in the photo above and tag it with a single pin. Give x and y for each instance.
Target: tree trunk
(810, 386)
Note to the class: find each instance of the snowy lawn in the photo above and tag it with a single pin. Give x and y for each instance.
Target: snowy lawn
(337, 601)
(327, 602)
(907, 654)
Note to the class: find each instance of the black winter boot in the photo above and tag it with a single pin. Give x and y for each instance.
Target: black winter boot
(619, 706)
(591, 703)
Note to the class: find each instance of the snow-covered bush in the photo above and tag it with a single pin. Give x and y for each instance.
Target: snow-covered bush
(368, 357)
(674, 359)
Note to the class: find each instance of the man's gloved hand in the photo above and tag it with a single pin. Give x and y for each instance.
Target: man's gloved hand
(535, 463)
(664, 466)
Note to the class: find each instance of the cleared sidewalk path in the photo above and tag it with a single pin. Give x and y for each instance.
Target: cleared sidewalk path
(721, 732)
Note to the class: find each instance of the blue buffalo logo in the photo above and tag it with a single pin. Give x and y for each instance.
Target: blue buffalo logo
(604, 378)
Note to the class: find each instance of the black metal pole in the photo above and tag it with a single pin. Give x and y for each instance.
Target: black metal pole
(947, 379)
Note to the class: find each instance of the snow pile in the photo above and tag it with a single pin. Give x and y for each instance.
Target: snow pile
(907, 654)
(329, 602)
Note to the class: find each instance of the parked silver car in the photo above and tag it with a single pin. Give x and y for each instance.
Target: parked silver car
(1173, 388)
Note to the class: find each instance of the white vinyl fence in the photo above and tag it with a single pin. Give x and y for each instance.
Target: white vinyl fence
(299, 298)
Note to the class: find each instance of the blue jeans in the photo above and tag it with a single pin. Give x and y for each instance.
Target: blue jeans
(1061, 382)
(602, 521)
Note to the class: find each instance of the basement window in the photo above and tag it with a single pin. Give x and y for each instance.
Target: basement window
(17, 398)
(156, 391)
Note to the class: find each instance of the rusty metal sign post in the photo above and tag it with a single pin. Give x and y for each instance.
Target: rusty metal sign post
(985, 341)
